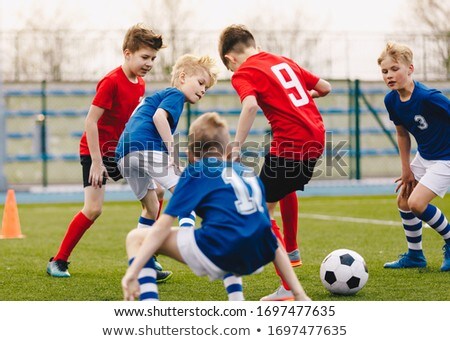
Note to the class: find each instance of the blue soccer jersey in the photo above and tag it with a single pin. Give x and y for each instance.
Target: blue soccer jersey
(426, 115)
(236, 232)
(140, 132)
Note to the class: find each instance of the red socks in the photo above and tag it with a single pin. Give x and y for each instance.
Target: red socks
(77, 227)
(289, 215)
(160, 208)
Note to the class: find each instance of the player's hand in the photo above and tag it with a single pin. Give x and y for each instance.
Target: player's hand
(96, 174)
(130, 287)
(175, 166)
(406, 182)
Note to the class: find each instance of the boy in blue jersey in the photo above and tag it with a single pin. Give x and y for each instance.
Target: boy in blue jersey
(424, 113)
(145, 151)
(235, 236)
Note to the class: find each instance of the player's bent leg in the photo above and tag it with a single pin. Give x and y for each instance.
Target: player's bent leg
(412, 226)
(57, 266)
(281, 261)
(433, 216)
(282, 293)
(134, 240)
(148, 288)
(93, 202)
(170, 248)
(233, 286)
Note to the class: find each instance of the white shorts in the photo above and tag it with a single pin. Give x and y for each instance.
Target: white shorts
(195, 258)
(142, 168)
(433, 174)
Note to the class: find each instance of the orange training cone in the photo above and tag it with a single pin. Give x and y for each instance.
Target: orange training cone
(11, 222)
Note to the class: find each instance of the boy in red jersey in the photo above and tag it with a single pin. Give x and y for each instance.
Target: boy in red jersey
(117, 95)
(284, 92)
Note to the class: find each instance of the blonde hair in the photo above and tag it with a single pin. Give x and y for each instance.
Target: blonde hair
(190, 65)
(139, 36)
(208, 135)
(400, 53)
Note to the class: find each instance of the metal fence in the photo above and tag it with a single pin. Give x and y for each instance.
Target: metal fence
(44, 122)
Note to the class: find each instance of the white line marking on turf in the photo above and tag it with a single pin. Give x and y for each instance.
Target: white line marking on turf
(350, 219)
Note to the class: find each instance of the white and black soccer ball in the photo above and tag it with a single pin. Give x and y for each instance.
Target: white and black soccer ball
(344, 272)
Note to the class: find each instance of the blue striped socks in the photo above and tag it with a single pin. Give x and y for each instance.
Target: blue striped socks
(147, 281)
(233, 286)
(145, 223)
(413, 230)
(437, 220)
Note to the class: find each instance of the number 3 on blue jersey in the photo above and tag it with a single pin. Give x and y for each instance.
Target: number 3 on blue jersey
(422, 122)
(245, 203)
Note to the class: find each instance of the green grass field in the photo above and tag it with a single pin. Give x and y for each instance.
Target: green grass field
(99, 261)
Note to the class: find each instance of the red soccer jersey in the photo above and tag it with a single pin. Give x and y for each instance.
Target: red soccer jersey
(281, 90)
(119, 97)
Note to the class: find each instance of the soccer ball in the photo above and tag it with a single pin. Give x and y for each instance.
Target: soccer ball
(344, 272)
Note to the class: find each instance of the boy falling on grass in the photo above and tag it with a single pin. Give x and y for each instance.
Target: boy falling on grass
(235, 236)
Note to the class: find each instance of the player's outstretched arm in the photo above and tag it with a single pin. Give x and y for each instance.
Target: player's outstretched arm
(246, 118)
(284, 267)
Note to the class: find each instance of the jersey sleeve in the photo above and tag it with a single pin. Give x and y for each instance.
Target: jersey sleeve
(438, 101)
(389, 107)
(187, 194)
(242, 83)
(309, 78)
(173, 103)
(105, 94)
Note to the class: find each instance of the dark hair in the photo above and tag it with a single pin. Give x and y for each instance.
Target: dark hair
(235, 38)
(139, 36)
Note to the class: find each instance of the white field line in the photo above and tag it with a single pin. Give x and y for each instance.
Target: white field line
(350, 219)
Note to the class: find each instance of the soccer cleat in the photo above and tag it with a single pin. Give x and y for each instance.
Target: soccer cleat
(158, 265)
(58, 268)
(294, 257)
(281, 294)
(446, 262)
(407, 261)
(163, 276)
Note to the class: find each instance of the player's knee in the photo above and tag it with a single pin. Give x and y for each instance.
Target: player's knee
(92, 213)
(416, 205)
(133, 240)
(402, 203)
